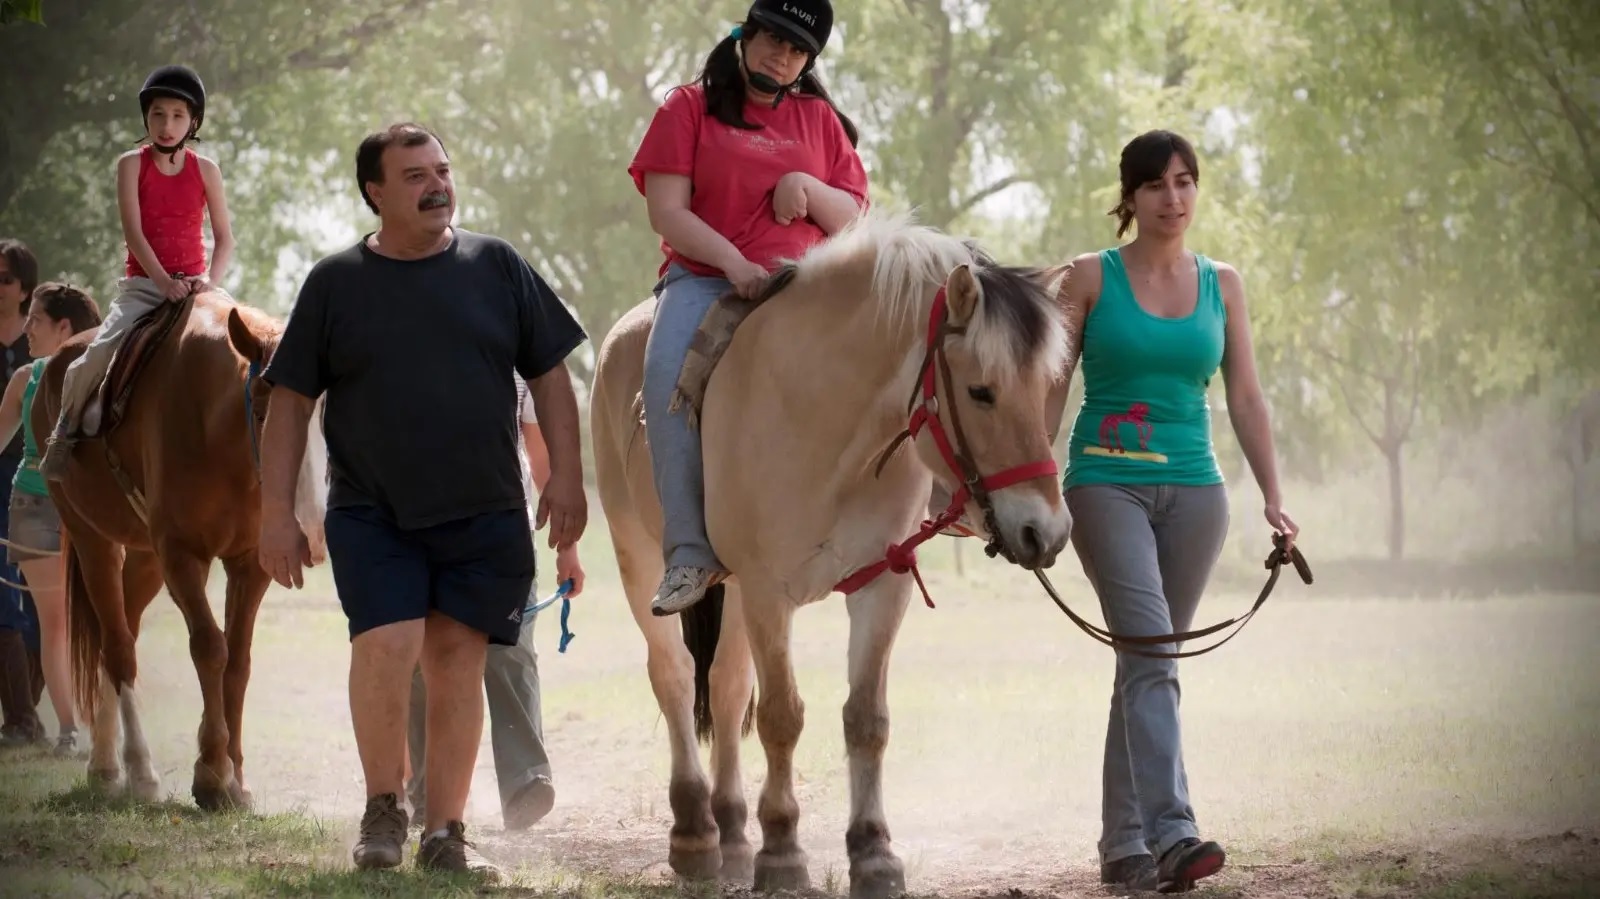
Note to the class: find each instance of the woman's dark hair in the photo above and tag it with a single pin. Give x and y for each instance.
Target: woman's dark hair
(724, 85)
(1145, 159)
(23, 264)
(65, 302)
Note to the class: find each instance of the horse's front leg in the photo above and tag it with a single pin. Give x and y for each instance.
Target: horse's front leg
(780, 716)
(875, 615)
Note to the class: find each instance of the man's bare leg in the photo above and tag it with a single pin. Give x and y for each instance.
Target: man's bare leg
(452, 670)
(381, 662)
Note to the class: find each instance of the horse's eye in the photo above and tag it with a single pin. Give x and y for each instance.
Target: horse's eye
(981, 395)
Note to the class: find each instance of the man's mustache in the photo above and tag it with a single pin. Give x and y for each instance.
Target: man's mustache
(433, 201)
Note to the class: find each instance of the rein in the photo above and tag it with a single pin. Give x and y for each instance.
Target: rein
(901, 558)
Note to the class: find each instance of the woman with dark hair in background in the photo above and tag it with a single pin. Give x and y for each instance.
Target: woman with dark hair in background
(21, 676)
(1154, 322)
(56, 312)
(750, 163)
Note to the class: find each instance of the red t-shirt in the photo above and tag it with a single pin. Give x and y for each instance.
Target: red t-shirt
(735, 171)
(171, 210)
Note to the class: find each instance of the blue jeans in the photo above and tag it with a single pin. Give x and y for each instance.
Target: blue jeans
(17, 611)
(1148, 552)
(683, 299)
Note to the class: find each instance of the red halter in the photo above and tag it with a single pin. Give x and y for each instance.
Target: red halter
(902, 557)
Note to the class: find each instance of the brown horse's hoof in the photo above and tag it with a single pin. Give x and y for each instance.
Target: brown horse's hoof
(738, 865)
(695, 864)
(775, 873)
(880, 876)
(107, 781)
(215, 799)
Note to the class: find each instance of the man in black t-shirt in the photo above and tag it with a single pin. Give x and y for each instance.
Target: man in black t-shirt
(417, 335)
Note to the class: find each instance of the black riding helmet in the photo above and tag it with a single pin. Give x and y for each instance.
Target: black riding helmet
(176, 81)
(804, 23)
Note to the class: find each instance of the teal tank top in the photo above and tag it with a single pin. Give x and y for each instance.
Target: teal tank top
(28, 479)
(1144, 417)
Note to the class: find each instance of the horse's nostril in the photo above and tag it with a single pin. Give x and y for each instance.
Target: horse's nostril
(1032, 546)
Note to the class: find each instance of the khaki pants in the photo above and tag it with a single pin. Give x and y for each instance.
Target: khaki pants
(137, 298)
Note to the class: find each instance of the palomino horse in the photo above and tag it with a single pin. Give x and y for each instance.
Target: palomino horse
(795, 422)
(185, 444)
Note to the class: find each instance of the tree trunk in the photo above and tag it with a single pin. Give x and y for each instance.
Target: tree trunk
(1397, 501)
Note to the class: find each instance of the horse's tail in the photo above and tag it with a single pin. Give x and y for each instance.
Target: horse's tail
(702, 627)
(83, 629)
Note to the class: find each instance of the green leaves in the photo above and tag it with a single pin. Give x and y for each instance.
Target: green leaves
(21, 11)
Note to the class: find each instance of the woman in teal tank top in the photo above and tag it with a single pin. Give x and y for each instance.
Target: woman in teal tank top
(1154, 322)
(57, 311)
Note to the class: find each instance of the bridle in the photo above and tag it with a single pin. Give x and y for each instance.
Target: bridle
(957, 454)
(901, 558)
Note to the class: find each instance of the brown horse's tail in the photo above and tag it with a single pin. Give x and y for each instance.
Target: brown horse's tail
(83, 629)
(702, 628)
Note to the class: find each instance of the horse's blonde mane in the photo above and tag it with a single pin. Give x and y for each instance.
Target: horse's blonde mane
(910, 261)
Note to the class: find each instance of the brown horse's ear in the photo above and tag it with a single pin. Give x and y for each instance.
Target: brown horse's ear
(244, 340)
(961, 294)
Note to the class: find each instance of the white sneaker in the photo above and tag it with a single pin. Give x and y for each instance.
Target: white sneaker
(681, 587)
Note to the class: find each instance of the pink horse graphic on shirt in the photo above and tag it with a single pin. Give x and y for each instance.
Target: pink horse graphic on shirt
(1111, 441)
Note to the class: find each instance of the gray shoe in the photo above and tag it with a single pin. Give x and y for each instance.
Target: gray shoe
(67, 744)
(383, 833)
(530, 804)
(57, 453)
(683, 586)
(1133, 874)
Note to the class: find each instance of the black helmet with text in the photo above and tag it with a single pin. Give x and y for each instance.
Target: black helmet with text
(805, 23)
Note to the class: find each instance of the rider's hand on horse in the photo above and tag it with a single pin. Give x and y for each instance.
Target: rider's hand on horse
(568, 568)
(283, 550)
(1282, 524)
(789, 198)
(746, 277)
(565, 507)
(198, 284)
(174, 288)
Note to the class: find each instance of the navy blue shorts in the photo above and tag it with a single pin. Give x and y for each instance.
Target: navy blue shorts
(476, 570)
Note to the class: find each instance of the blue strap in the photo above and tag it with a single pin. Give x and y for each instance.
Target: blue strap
(566, 610)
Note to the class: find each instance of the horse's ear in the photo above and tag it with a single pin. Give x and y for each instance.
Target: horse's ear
(961, 294)
(244, 340)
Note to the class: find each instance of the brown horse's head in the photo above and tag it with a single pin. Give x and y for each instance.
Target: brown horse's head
(256, 336)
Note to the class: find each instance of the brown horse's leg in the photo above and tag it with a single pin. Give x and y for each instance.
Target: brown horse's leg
(186, 581)
(101, 567)
(780, 716)
(141, 581)
(247, 585)
(875, 616)
(732, 682)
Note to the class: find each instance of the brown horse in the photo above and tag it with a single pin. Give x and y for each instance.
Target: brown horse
(185, 446)
(801, 495)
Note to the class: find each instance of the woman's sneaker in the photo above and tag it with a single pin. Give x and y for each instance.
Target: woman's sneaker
(1186, 862)
(67, 744)
(683, 586)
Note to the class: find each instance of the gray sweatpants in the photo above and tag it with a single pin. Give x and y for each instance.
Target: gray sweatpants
(1148, 552)
(683, 300)
(516, 726)
(136, 298)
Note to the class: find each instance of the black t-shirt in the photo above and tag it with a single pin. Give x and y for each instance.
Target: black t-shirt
(419, 360)
(16, 355)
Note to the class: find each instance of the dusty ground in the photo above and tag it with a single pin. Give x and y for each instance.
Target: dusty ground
(1340, 746)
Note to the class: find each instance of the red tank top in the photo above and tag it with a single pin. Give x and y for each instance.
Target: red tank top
(171, 209)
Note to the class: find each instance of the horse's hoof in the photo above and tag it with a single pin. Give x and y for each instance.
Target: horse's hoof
(107, 781)
(145, 790)
(776, 872)
(214, 799)
(877, 877)
(695, 864)
(738, 865)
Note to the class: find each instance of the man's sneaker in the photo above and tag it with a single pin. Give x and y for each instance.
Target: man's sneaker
(383, 833)
(1135, 873)
(1186, 862)
(449, 851)
(681, 587)
(530, 804)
